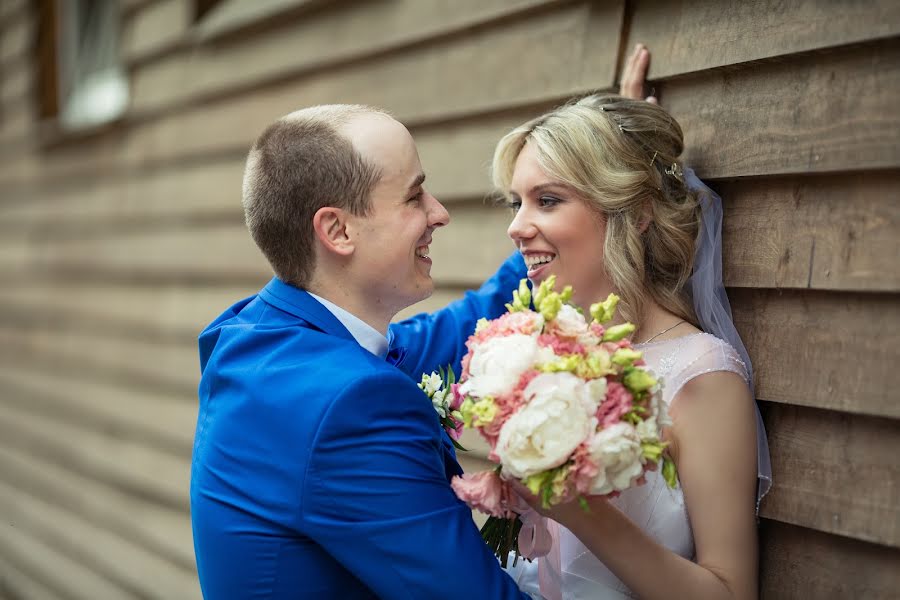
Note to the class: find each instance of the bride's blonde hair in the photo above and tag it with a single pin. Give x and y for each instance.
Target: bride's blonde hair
(622, 156)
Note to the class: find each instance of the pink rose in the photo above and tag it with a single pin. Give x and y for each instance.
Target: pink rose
(485, 492)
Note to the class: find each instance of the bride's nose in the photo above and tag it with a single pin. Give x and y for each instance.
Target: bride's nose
(522, 226)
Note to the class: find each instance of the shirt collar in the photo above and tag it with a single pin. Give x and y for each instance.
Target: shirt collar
(367, 336)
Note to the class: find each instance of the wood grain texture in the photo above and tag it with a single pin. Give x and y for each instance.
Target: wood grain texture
(161, 421)
(41, 561)
(448, 78)
(163, 367)
(834, 472)
(161, 530)
(798, 563)
(118, 559)
(348, 32)
(838, 232)
(125, 464)
(825, 350)
(686, 36)
(154, 28)
(804, 115)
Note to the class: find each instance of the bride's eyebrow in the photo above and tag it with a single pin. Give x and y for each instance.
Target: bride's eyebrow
(543, 187)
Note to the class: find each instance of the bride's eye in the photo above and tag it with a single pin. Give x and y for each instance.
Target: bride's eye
(513, 204)
(549, 201)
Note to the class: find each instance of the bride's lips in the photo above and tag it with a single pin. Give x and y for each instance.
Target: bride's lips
(538, 263)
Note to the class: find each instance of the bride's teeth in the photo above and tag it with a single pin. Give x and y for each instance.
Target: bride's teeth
(533, 261)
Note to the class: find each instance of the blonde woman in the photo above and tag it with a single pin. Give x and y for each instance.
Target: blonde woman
(602, 201)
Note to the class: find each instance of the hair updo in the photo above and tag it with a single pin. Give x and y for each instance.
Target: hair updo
(621, 155)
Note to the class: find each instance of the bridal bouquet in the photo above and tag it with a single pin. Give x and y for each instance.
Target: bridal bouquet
(566, 405)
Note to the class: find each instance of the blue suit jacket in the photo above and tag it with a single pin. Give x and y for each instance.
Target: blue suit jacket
(320, 470)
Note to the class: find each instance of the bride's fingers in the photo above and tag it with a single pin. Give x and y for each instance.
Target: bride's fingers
(635, 73)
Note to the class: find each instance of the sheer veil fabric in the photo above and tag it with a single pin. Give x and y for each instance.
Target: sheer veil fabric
(713, 309)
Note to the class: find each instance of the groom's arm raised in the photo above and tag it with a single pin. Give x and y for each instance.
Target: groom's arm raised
(376, 498)
(438, 339)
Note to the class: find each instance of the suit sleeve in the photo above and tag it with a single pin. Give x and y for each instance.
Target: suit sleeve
(439, 339)
(376, 498)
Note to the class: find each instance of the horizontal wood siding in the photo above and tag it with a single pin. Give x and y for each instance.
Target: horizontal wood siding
(118, 247)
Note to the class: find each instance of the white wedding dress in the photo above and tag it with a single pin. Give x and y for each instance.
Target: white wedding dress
(657, 508)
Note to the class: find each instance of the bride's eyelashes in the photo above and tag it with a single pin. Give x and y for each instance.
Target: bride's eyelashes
(545, 202)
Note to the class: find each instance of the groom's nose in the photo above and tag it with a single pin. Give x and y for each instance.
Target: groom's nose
(437, 214)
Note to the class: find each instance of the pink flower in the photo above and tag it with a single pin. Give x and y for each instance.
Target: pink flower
(485, 492)
(584, 469)
(618, 402)
(559, 346)
(457, 397)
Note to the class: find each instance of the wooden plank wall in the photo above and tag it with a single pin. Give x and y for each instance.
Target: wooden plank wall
(116, 249)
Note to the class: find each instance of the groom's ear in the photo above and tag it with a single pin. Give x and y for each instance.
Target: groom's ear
(330, 225)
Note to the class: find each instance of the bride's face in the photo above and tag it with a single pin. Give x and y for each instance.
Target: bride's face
(557, 231)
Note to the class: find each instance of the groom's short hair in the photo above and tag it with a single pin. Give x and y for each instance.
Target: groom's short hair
(299, 164)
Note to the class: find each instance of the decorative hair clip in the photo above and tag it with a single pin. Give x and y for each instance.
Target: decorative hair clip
(676, 172)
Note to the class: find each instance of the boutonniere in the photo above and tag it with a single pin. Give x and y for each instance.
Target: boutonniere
(439, 388)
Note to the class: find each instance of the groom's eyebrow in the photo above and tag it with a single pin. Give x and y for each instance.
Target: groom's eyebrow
(419, 180)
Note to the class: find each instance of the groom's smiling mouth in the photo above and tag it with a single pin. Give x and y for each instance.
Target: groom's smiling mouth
(422, 252)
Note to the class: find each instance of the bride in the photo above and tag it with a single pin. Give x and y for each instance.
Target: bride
(601, 201)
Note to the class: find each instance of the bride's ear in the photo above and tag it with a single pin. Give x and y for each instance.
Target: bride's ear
(332, 229)
(646, 217)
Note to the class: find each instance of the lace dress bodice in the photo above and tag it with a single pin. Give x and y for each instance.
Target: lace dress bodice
(658, 509)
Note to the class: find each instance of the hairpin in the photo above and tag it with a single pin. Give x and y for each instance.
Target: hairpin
(676, 172)
(652, 160)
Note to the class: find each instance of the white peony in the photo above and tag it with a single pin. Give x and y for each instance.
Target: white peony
(617, 451)
(498, 363)
(558, 416)
(570, 322)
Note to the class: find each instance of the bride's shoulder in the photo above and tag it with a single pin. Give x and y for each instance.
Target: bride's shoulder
(705, 353)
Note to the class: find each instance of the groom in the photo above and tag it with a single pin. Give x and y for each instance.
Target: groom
(319, 469)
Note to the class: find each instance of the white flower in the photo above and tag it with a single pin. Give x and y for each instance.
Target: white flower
(617, 451)
(498, 363)
(648, 429)
(558, 416)
(440, 402)
(431, 383)
(570, 322)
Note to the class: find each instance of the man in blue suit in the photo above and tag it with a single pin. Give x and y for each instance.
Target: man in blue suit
(319, 469)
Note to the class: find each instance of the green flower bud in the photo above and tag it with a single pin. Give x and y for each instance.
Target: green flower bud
(604, 311)
(638, 380)
(669, 473)
(617, 332)
(626, 357)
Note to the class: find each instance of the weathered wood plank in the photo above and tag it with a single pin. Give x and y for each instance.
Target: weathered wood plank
(838, 232)
(834, 472)
(122, 463)
(346, 33)
(43, 562)
(162, 531)
(116, 558)
(154, 28)
(686, 36)
(444, 79)
(18, 33)
(802, 563)
(826, 350)
(160, 312)
(167, 367)
(158, 420)
(805, 115)
(17, 585)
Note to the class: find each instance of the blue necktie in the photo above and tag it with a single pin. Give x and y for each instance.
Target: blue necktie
(396, 355)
